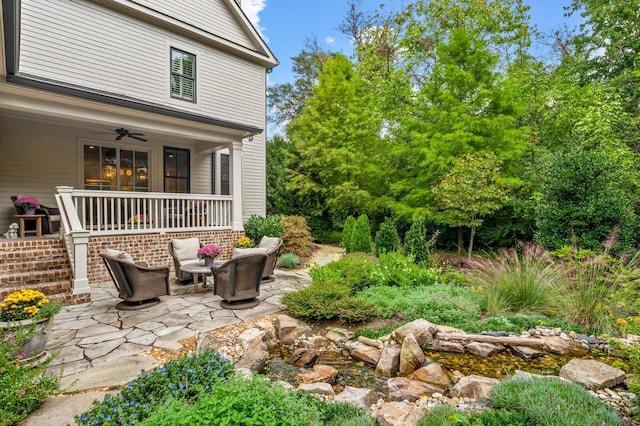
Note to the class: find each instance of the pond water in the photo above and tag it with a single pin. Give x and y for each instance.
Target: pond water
(360, 374)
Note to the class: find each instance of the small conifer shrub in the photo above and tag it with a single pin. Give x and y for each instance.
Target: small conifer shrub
(387, 239)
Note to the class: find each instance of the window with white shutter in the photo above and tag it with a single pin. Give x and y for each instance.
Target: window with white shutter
(183, 75)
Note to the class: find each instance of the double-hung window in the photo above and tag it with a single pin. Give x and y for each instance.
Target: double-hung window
(183, 75)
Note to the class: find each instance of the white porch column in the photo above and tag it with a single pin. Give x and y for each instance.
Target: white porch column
(236, 182)
(80, 240)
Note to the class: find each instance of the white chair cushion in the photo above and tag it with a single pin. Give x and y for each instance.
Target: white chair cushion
(239, 252)
(120, 255)
(186, 248)
(270, 243)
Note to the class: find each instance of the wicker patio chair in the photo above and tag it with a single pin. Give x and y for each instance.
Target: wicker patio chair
(238, 280)
(138, 284)
(271, 247)
(183, 251)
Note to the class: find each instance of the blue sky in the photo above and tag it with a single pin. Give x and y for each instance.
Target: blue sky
(285, 24)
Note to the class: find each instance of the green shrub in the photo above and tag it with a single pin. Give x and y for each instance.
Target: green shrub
(247, 402)
(352, 270)
(23, 386)
(514, 282)
(179, 379)
(318, 301)
(259, 226)
(552, 402)
(415, 242)
(347, 233)
(296, 237)
(289, 261)
(354, 309)
(438, 303)
(387, 239)
(361, 237)
(395, 269)
(522, 402)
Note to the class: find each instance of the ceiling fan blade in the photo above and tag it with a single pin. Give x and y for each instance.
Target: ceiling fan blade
(120, 136)
(133, 135)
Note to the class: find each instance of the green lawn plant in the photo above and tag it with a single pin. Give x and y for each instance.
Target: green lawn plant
(396, 269)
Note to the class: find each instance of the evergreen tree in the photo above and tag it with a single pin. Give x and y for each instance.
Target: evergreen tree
(415, 242)
(347, 233)
(361, 240)
(387, 239)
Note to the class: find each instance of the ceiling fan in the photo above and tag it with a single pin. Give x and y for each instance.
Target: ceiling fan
(122, 132)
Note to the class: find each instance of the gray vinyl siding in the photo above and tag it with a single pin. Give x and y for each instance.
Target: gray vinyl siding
(254, 175)
(90, 46)
(210, 16)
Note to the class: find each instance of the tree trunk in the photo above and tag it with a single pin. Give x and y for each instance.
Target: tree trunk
(473, 233)
(460, 240)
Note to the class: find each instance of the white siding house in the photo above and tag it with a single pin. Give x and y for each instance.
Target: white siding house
(185, 78)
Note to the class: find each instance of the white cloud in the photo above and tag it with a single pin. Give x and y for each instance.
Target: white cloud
(252, 9)
(330, 40)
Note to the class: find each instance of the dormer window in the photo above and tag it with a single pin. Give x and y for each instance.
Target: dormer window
(183, 75)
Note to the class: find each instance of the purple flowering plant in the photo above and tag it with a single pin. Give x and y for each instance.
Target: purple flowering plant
(27, 202)
(209, 251)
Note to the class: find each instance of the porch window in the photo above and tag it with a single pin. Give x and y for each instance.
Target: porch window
(176, 170)
(183, 75)
(115, 169)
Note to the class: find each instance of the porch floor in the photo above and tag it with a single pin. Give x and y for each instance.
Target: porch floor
(99, 348)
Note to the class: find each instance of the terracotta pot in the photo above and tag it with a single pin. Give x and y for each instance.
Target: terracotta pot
(34, 347)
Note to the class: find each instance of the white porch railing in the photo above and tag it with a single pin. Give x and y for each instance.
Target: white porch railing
(87, 213)
(114, 212)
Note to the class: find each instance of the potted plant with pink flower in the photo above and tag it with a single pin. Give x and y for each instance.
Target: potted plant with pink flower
(209, 252)
(27, 204)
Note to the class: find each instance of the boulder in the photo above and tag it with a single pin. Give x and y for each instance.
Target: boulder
(421, 329)
(526, 352)
(338, 335)
(389, 361)
(444, 346)
(473, 386)
(317, 388)
(314, 342)
(411, 356)
(371, 342)
(357, 397)
(320, 373)
(402, 388)
(561, 346)
(289, 329)
(270, 330)
(431, 373)
(253, 336)
(363, 352)
(592, 374)
(483, 349)
(394, 413)
(303, 357)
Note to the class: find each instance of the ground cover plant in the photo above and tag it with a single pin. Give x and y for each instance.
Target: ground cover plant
(203, 390)
(521, 402)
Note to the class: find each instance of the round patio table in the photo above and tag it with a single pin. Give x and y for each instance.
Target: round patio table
(200, 272)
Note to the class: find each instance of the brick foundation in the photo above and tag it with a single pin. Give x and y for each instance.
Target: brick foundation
(43, 264)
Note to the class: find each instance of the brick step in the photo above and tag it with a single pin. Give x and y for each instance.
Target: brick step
(26, 266)
(34, 255)
(35, 277)
(54, 290)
